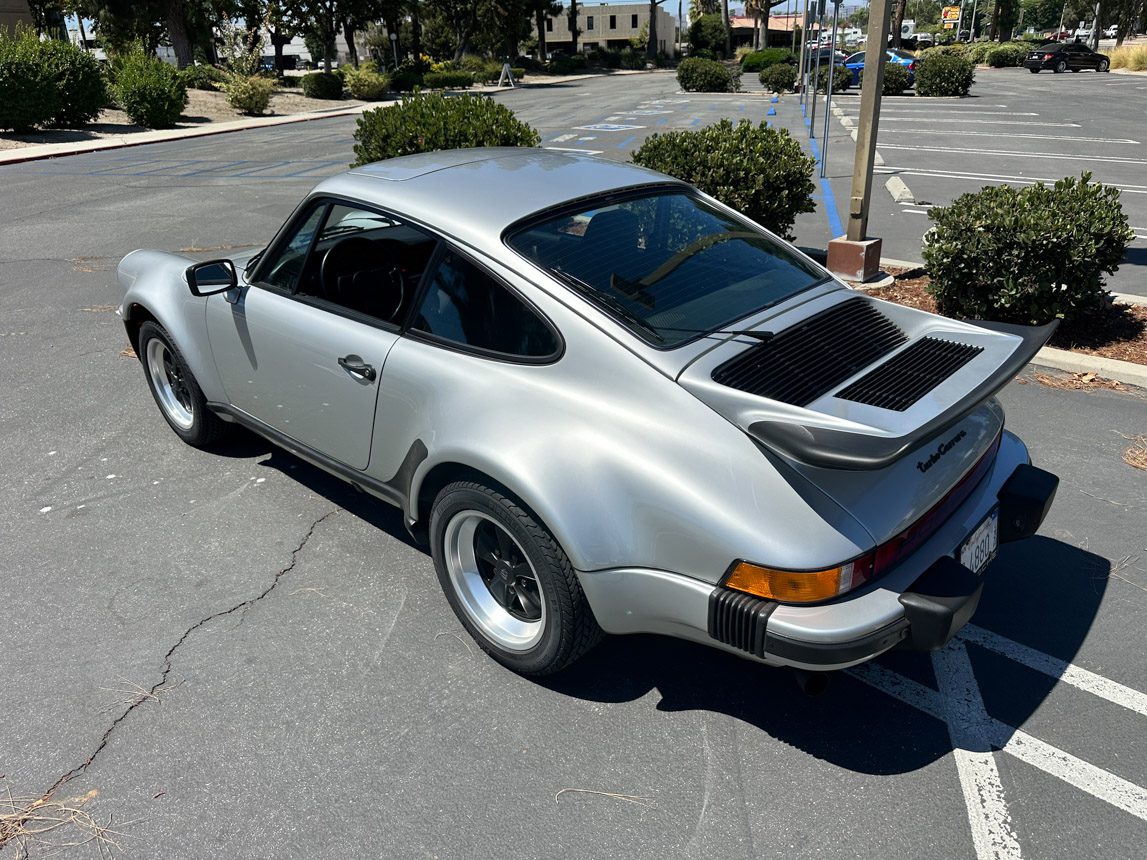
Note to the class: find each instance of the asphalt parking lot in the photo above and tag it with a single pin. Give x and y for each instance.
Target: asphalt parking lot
(243, 657)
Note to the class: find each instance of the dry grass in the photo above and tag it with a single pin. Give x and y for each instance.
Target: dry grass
(1136, 455)
(53, 825)
(1131, 57)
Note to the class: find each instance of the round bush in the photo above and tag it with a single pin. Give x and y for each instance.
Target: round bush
(323, 85)
(426, 122)
(249, 95)
(450, 80)
(203, 78)
(706, 76)
(406, 80)
(841, 79)
(944, 75)
(707, 33)
(79, 83)
(779, 78)
(757, 170)
(1027, 255)
(758, 61)
(149, 91)
(366, 84)
(28, 93)
(1007, 55)
(633, 60)
(895, 79)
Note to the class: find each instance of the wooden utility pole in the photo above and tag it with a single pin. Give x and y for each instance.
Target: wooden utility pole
(856, 256)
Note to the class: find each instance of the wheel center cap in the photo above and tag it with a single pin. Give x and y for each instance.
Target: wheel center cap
(502, 571)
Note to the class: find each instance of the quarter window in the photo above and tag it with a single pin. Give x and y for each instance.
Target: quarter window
(464, 304)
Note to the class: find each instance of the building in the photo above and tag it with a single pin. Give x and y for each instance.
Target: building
(13, 12)
(605, 25)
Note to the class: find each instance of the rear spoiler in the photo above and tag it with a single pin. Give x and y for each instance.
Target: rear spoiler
(838, 449)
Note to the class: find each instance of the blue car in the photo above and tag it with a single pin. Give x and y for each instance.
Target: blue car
(855, 64)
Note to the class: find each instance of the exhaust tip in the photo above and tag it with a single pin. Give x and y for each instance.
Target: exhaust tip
(812, 684)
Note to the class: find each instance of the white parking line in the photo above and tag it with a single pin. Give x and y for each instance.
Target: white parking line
(955, 150)
(930, 120)
(572, 149)
(1010, 134)
(998, 177)
(993, 834)
(1097, 685)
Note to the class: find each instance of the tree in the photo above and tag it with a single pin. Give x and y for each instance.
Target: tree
(574, 31)
(728, 29)
(897, 22)
(697, 8)
(544, 9)
(651, 44)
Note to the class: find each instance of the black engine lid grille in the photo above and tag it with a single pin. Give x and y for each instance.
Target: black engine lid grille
(811, 358)
(905, 378)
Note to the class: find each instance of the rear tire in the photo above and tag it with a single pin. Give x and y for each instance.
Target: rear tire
(508, 581)
(1034, 71)
(176, 393)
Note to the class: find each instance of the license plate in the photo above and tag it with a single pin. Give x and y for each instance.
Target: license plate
(980, 547)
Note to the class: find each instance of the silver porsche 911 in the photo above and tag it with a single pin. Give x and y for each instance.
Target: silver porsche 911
(609, 403)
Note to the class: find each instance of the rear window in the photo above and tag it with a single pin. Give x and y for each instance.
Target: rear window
(669, 266)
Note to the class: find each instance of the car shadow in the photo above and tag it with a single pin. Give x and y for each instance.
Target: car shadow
(1041, 593)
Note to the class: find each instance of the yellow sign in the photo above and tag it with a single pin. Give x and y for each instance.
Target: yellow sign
(950, 13)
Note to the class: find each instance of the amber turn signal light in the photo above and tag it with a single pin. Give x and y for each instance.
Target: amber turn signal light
(793, 586)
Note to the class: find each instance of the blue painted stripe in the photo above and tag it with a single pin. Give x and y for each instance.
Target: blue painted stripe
(627, 141)
(835, 227)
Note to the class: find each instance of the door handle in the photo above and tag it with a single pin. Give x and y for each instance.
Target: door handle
(355, 365)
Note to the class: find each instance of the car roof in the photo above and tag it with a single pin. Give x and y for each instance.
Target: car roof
(474, 194)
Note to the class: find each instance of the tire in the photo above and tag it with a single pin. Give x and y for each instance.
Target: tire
(1103, 66)
(508, 581)
(1034, 71)
(1060, 67)
(176, 393)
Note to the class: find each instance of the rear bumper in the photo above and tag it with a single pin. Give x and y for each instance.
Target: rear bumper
(921, 604)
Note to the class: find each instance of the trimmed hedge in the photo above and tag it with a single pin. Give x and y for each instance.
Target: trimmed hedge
(28, 93)
(323, 85)
(406, 80)
(426, 122)
(1008, 55)
(779, 78)
(841, 79)
(944, 75)
(706, 76)
(1027, 255)
(757, 170)
(895, 79)
(449, 80)
(150, 91)
(758, 61)
(249, 95)
(203, 78)
(366, 84)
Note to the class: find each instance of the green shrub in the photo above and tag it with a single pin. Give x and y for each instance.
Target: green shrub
(944, 75)
(841, 79)
(1027, 255)
(518, 72)
(1007, 55)
(707, 33)
(703, 54)
(323, 85)
(978, 52)
(706, 76)
(426, 122)
(367, 84)
(757, 170)
(564, 65)
(149, 91)
(633, 59)
(249, 95)
(758, 61)
(406, 80)
(779, 78)
(449, 80)
(28, 93)
(79, 83)
(606, 59)
(203, 78)
(895, 79)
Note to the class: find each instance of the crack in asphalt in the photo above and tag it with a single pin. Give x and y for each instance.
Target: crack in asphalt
(168, 657)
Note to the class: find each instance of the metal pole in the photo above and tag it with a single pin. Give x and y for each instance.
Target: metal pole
(802, 75)
(874, 58)
(828, 89)
(816, 76)
(972, 30)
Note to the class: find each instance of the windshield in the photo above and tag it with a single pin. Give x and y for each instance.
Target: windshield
(669, 266)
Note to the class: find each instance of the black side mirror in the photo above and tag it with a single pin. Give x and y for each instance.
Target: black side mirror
(214, 276)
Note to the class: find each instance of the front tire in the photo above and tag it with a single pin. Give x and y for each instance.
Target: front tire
(1034, 71)
(175, 390)
(508, 581)
(1103, 66)
(1060, 67)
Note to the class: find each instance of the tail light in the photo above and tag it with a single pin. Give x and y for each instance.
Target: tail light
(812, 586)
(1048, 56)
(912, 66)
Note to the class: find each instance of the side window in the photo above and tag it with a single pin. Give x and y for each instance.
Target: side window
(466, 305)
(285, 268)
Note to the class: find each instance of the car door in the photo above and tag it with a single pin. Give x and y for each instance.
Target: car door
(290, 355)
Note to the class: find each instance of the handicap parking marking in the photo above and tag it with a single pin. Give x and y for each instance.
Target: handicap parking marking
(607, 126)
(562, 138)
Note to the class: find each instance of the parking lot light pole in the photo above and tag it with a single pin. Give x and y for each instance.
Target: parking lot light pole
(855, 256)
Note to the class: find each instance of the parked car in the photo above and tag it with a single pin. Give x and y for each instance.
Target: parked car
(1111, 32)
(1060, 57)
(811, 58)
(925, 40)
(855, 64)
(608, 403)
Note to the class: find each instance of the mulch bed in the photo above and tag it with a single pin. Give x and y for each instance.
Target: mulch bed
(1121, 335)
